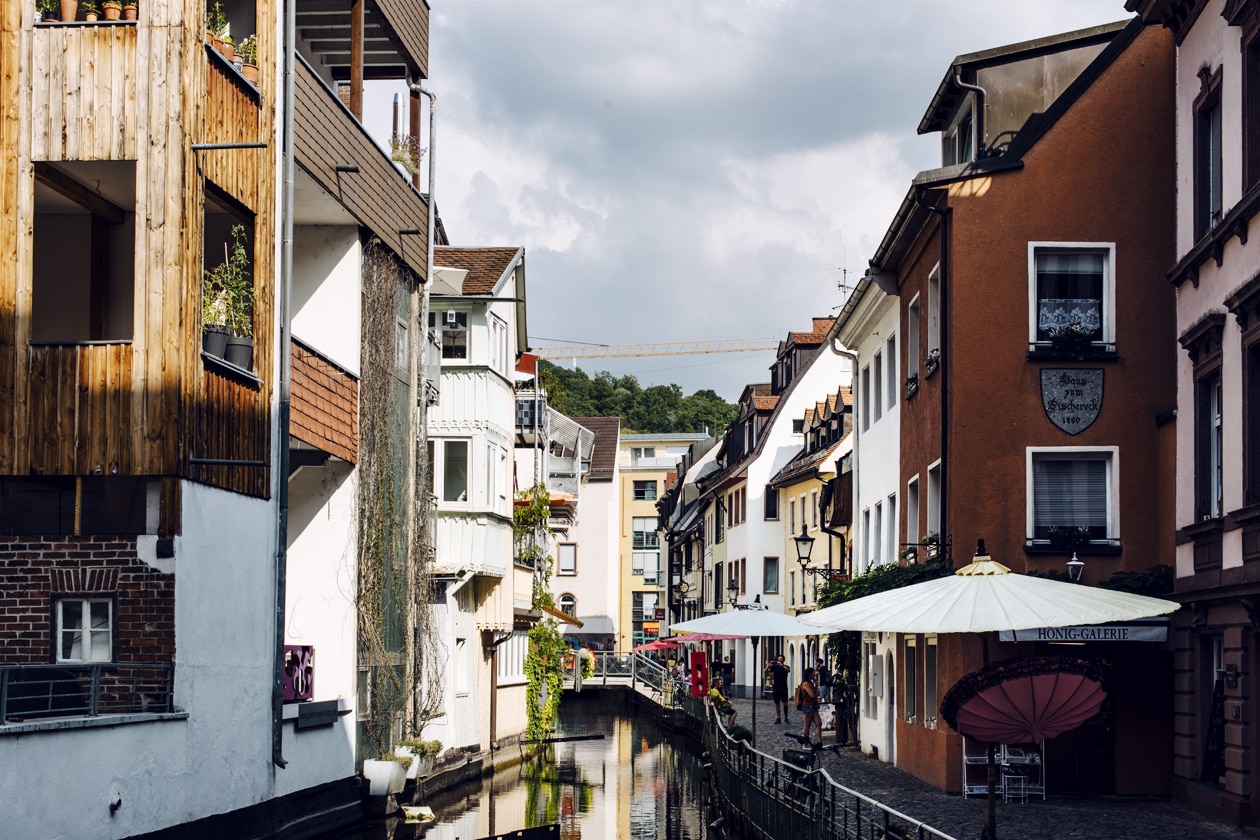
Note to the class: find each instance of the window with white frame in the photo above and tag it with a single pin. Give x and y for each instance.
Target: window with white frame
(865, 399)
(877, 376)
(511, 657)
(1072, 491)
(890, 360)
(813, 507)
(770, 575)
(498, 345)
(645, 563)
(85, 630)
(877, 535)
(451, 327)
(934, 311)
(934, 497)
(912, 510)
(930, 704)
(891, 517)
(909, 679)
(454, 470)
(566, 559)
(568, 604)
(912, 338)
(770, 503)
(866, 536)
(792, 516)
(645, 536)
(1071, 292)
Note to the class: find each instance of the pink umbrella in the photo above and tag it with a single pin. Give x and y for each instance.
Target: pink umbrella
(705, 637)
(1019, 701)
(659, 644)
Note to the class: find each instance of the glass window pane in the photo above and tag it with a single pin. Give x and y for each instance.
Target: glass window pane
(455, 471)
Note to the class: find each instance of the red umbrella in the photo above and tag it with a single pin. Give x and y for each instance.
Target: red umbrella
(659, 644)
(705, 637)
(1019, 701)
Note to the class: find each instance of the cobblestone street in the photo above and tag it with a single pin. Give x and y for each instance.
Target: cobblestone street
(1059, 817)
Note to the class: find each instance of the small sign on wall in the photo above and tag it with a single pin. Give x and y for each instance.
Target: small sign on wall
(1072, 397)
(299, 673)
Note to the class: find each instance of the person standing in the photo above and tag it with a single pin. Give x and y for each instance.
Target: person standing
(807, 693)
(778, 671)
(824, 682)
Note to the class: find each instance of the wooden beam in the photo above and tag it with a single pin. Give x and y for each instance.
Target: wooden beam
(356, 58)
(55, 179)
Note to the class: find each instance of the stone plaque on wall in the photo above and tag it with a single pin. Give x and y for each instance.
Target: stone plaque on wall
(1072, 397)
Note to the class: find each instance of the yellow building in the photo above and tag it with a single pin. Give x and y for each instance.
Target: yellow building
(647, 464)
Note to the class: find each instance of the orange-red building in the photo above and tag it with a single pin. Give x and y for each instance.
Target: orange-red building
(1038, 346)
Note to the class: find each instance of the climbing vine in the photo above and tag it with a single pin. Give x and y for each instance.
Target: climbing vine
(545, 660)
(382, 591)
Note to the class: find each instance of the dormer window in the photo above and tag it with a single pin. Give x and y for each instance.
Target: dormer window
(958, 141)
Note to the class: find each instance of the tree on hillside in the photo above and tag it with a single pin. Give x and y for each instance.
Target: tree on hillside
(656, 409)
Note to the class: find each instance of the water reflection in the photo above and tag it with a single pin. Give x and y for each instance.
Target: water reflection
(636, 781)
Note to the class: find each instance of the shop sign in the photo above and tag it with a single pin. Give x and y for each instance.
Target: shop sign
(1072, 397)
(1089, 633)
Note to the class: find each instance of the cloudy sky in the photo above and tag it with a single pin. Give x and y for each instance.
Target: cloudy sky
(687, 170)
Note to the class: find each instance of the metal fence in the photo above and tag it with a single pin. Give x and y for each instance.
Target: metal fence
(783, 799)
(32, 692)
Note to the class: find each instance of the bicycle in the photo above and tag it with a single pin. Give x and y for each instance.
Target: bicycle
(799, 766)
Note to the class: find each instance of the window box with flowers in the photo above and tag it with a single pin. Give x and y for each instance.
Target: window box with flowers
(912, 385)
(932, 361)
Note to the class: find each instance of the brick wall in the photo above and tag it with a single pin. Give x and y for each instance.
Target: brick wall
(34, 570)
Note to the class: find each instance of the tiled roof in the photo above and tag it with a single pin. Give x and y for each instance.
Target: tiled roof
(817, 335)
(604, 455)
(804, 464)
(485, 266)
(765, 403)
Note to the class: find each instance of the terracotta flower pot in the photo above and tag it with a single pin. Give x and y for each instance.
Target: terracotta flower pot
(129, 12)
(69, 10)
(250, 72)
(112, 11)
(91, 17)
(228, 49)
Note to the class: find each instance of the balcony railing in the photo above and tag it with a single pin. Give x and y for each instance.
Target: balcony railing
(35, 692)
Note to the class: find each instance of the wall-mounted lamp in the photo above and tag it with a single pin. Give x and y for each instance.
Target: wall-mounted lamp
(1074, 568)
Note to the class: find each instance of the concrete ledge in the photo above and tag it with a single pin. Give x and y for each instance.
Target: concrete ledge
(81, 722)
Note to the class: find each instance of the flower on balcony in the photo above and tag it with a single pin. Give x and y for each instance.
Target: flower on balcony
(1073, 330)
(406, 149)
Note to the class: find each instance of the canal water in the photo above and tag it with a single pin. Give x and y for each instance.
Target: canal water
(636, 781)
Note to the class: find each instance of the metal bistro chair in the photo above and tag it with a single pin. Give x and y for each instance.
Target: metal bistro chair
(1015, 787)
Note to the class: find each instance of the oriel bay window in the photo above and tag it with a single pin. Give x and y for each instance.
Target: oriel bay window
(451, 327)
(1072, 493)
(1071, 294)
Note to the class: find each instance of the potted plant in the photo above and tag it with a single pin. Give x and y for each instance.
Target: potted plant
(216, 25)
(932, 361)
(1068, 536)
(112, 9)
(931, 542)
(90, 11)
(130, 9)
(912, 384)
(1073, 336)
(248, 51)
(385, 775)
(405, 150)
(69, 10)
(228, 47)
(228, 304)
(421, 753)
(46, 10)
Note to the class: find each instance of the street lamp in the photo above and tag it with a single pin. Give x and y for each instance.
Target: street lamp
(732, 591)
(1075, 566)
(804, 545)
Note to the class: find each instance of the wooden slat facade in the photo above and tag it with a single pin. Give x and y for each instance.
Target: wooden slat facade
(143, 92)
(378, 196)
(410, 20)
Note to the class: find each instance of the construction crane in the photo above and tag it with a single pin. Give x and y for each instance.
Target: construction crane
(665, 348)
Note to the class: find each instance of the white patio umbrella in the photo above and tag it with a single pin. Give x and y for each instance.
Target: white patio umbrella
(985, 596)
(753, 623)
(981, 597)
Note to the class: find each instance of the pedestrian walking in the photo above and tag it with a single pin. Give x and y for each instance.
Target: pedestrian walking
(824, 681)
(807, 702)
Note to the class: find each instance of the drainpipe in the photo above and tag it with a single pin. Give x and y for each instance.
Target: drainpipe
(977, 111)
(420, 466)
(280, 476)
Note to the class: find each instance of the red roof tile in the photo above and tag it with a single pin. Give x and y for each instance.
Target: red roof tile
(485, 266)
